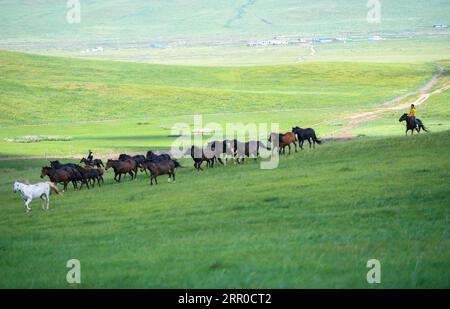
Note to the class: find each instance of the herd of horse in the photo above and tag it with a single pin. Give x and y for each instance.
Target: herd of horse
(154, 164)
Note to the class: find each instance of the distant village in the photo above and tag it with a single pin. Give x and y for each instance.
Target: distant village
(295, 41)
(275, 41)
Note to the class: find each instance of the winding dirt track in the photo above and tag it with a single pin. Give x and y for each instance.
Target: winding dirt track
(423, 94)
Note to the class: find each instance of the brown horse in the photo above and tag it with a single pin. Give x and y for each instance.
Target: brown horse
(56, 175)
(159, 168)
(122, 167)
(283, 140)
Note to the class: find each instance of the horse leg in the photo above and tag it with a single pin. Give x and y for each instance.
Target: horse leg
(289, 146)
(27, 202)
(120, 177)
(309, 141)
(295, 145)
(43, 201)
(173, 175)
(168, 179)
(131, 173)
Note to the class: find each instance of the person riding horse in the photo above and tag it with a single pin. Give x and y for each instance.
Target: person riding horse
(90, 156)
(412, 116)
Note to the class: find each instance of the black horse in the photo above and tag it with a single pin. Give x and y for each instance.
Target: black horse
(306, 134)
(95, 162)
(418, 126)
(77, 173)
(157, 158)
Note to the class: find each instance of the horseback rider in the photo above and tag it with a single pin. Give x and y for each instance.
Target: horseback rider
(412, 116)
(90, 156)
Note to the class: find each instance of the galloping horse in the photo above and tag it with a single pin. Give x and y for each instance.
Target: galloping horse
(199, 155)
(122, 167)
(40, 190)
(57, 175)
(306, 134)
(283, 140)
(96, 162)
(418, 127)
(159, 168)
(249, 149)
(157, 158)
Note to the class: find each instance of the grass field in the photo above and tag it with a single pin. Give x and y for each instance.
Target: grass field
(312, 222)
(85, 100)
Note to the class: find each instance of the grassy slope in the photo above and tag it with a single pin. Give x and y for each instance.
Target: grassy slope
(313, 222)
(61, 91)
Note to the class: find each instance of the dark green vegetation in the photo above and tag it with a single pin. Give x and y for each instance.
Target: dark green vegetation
(313, 222)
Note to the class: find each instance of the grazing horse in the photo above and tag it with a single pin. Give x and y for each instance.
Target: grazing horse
(96, 162)
(249, 149)
(283, 140)
(122, 167)
(418, 127)
(56, 175)
(306, 134)
(159, 168)
(40, 190)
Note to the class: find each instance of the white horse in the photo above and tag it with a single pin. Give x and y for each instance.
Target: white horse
(40, 190)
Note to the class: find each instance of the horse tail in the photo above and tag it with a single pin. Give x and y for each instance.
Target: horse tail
(318, 141)
(54, 188)
(177, 164)
(423, 128)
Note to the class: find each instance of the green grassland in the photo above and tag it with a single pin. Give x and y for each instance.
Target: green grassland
(116, 106)
(313, 222)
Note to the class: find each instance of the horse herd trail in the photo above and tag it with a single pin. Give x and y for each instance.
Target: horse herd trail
(357, 119)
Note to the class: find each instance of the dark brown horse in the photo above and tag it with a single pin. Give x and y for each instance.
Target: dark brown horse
(96, 162)
(56, 175)
(159, 168)
(411, 126)
(199, 155)
(122, 167)
(283, 140)
(94, 174)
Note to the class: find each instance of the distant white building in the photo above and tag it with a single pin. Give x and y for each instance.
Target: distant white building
(93, 50)
(377, 38)
(440, 26)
